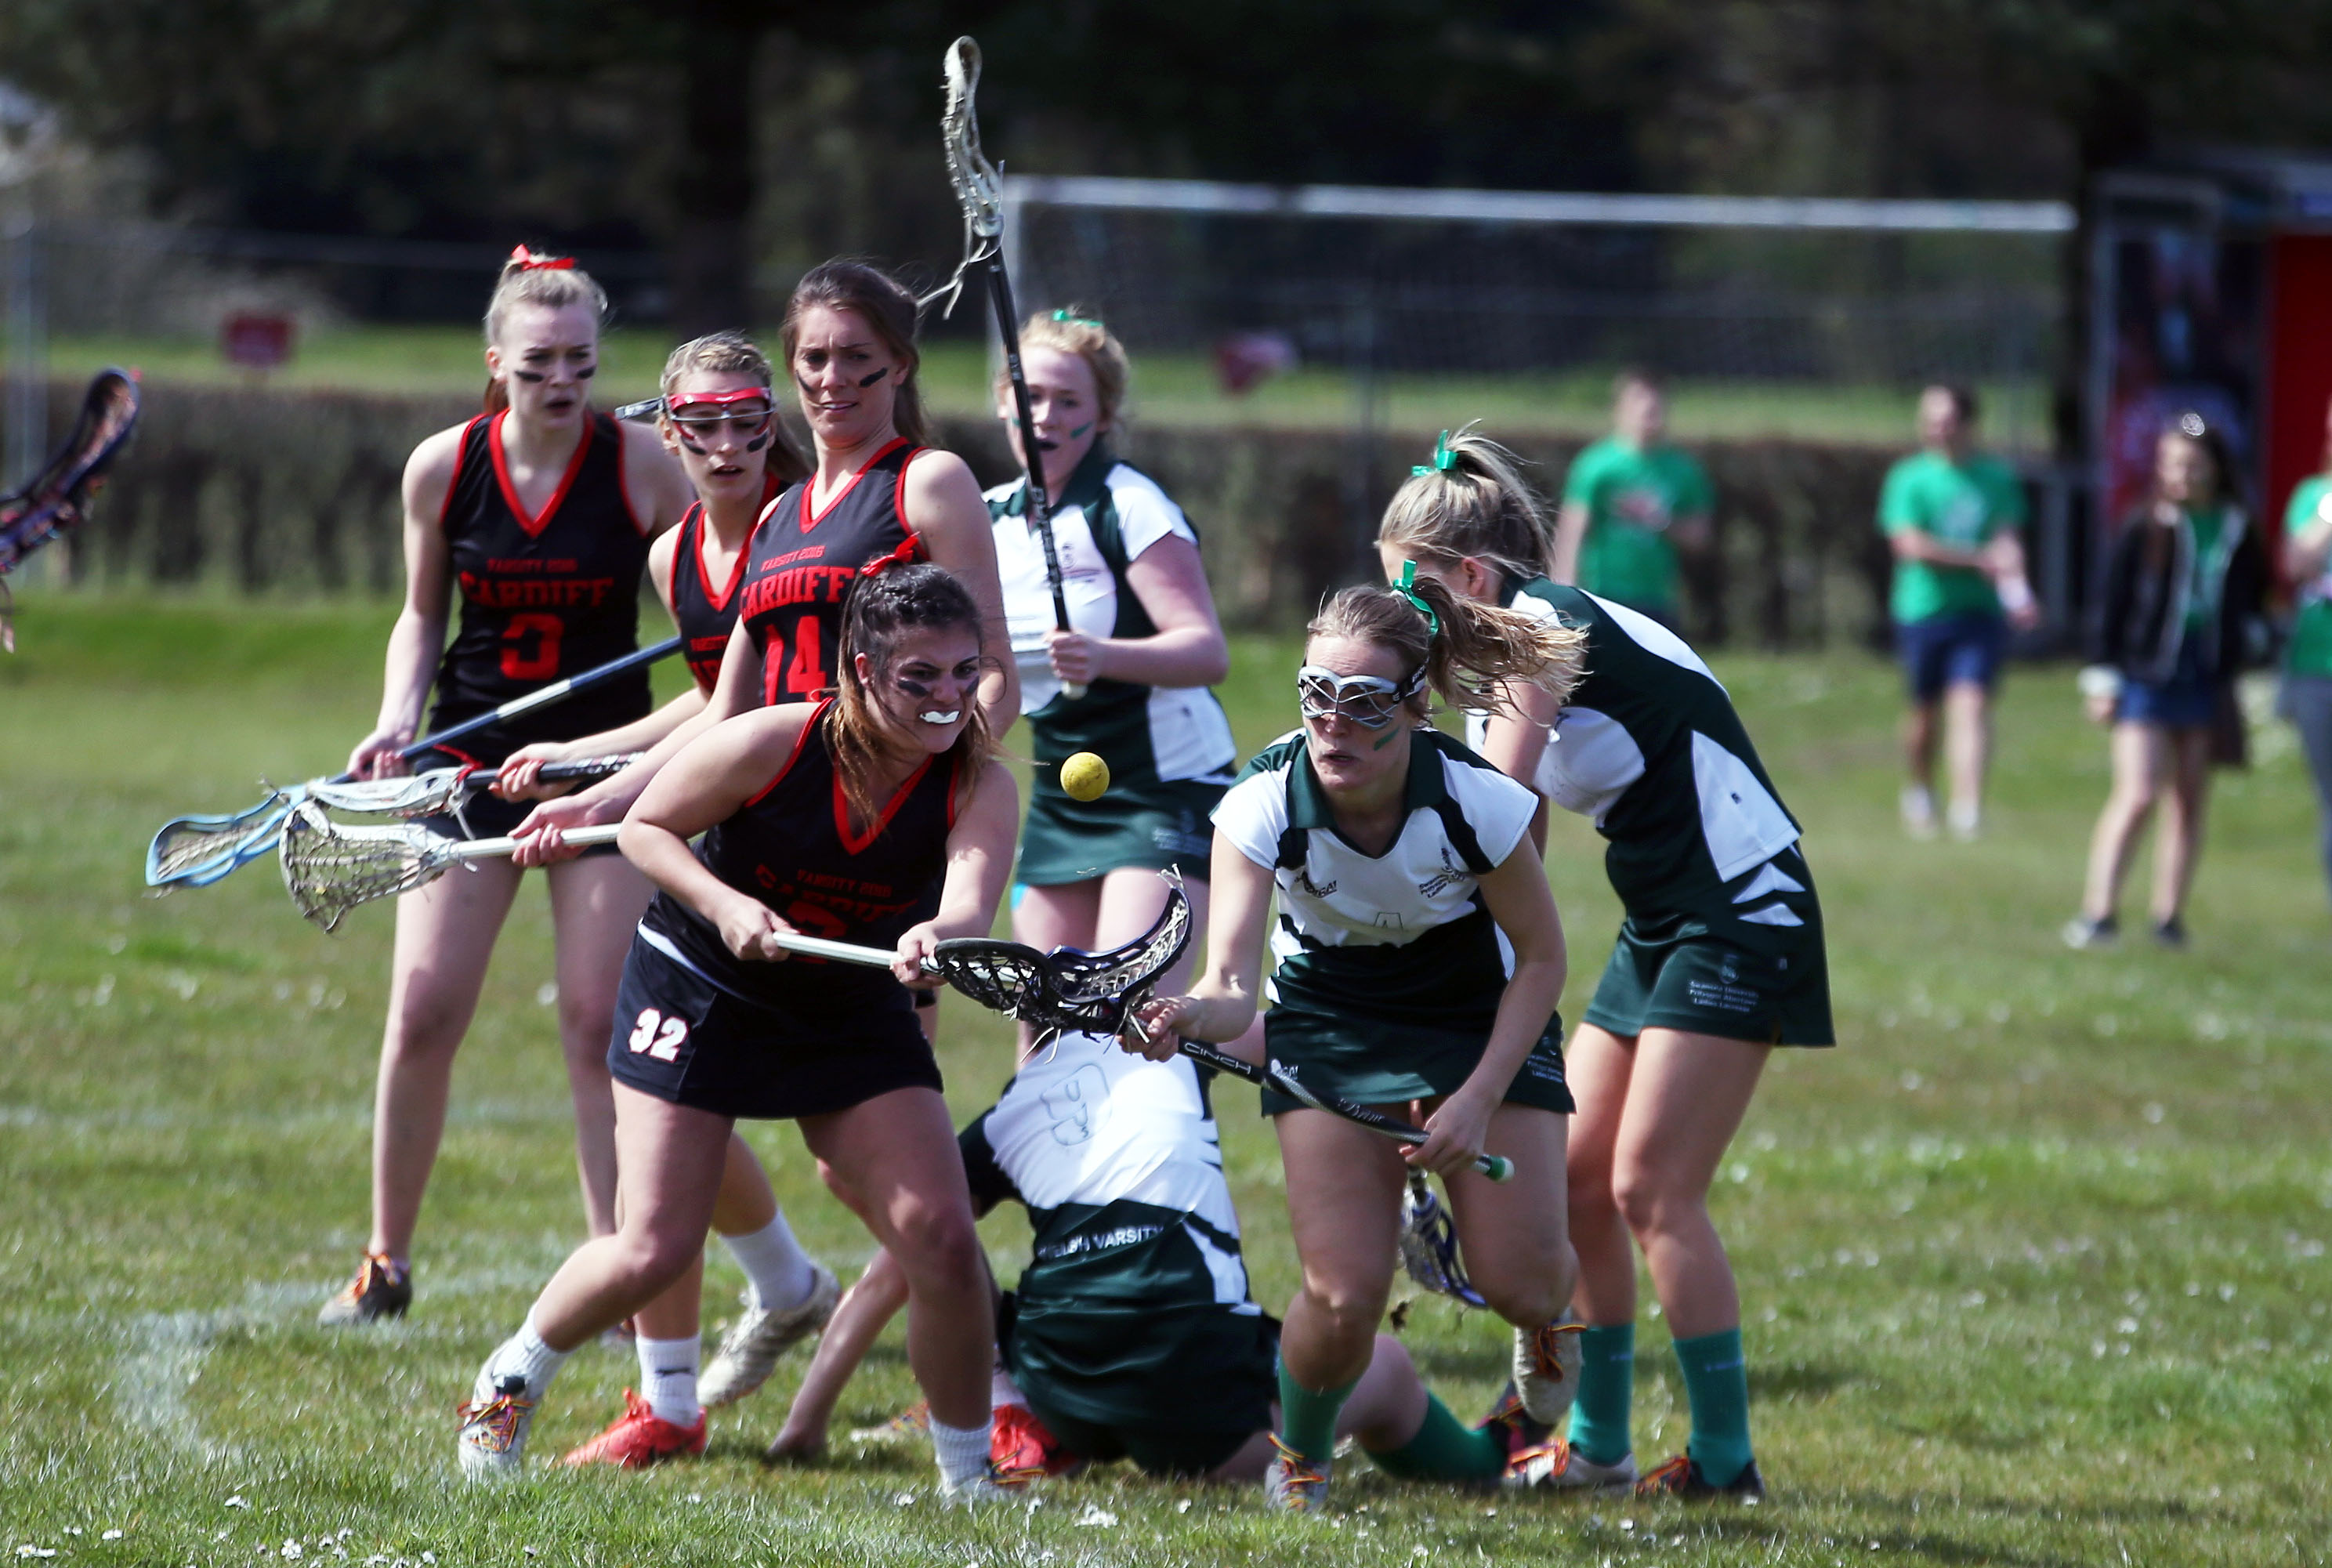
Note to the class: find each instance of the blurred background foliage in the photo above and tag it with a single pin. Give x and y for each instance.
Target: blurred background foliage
(749, 140)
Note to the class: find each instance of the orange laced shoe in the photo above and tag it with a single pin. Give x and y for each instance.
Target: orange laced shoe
(493, 1438)
(1547, 1369)
(639, 1438)
(1681, 1477)
(1293, 1484)
(380, 1289)
(1020, 1450)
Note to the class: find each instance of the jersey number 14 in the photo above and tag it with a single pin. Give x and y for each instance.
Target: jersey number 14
(799, 678)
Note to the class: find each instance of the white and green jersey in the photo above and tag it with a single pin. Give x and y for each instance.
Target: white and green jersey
(1106, 516)
(1651, 747)
(1120, 1165)
(1401, 937)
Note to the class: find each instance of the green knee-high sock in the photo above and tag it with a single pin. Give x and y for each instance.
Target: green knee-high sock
(1716, 1382)
(1445, 1449)
(1307, 1416)
(1607, 1383)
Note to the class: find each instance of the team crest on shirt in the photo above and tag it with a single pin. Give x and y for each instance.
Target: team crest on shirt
(1450, 874)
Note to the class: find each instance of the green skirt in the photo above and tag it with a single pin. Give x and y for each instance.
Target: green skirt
(1144, 827)
(1374, 1062)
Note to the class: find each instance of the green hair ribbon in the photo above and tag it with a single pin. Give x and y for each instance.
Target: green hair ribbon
(1063, 315)
(1407, 588)
(1444, 460)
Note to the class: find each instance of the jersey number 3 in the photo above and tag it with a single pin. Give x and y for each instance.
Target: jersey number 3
(657, 1035)
(538, 633)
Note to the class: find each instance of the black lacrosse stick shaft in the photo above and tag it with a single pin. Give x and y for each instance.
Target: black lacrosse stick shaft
(1040, 505)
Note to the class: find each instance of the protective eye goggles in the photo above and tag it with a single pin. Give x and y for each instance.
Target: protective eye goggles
(746, 412)
(1371, 701)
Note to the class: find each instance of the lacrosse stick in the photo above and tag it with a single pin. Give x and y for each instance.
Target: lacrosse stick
(444, 789)
(1428, 1244)
(978, 190)
(1281, 1076)
(56, 498)
(196, 851)
(331, 869)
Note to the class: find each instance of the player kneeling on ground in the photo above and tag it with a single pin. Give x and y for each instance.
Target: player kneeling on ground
(837, 816)
(1420, 959)
(1131, 1334)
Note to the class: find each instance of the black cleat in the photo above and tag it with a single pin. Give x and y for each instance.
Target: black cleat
(381, 1289)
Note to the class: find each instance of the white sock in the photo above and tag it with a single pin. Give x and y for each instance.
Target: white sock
(1966, 816)
(962, 1451)
(1918, 803)
(1002, 1390)
(781, 1272)
(525, 1354)
(668, 1378)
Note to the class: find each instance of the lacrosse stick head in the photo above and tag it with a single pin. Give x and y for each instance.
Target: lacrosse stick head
(1428, 1244)
(57, 498)
(196, 851)
(1067, 990)
(330, 869)
(979, 189)
(414, 795)
(1124, 975)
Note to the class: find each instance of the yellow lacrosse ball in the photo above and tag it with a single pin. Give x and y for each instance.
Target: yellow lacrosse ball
(1085, 776)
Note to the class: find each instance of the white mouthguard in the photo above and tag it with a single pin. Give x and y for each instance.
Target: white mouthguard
(935, 717)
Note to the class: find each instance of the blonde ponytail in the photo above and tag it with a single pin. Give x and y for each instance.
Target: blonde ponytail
(1471, 500)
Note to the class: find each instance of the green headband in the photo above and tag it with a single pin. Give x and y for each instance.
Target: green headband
(1063, 315)
(1444, 460)
(1407, 588)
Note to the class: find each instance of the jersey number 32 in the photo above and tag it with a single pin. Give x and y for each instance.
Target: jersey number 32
(657, 1035)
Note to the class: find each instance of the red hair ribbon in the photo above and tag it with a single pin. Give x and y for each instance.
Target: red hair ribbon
(910, 553)
(528, 261)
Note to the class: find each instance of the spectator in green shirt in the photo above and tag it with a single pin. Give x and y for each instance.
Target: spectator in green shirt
(1629, 504)
(1950, 514)
(2307, 668)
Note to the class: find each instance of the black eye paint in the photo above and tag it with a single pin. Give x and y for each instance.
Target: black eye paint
(759, 441)
(916, 689)
(530, 376)
(587, 372)
(804, 383)
(866, 381)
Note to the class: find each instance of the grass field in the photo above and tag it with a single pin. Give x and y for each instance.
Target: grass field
(2035, 1264)
(1179, 390)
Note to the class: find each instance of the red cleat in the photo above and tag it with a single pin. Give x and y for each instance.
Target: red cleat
(639, 1438)
(1020, 1450)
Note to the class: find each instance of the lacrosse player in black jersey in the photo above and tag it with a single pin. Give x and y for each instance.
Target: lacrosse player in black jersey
(718, 417)
(537, 514)
(832, 820)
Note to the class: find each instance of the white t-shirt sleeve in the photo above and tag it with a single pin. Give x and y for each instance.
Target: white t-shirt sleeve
(1145, 513)
(1253, 813)
(1498, 810)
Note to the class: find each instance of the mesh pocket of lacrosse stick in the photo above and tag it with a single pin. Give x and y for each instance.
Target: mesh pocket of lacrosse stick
(1066, 990)
(331, 869)
(1428, 1244)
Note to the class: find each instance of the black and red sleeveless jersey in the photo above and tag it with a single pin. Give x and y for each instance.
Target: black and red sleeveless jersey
(803, 563)
(543, 597)
(791, 847)
(704, 614)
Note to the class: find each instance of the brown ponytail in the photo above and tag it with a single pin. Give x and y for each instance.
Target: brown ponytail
(895, 599)
(1476, 651)
(1472, 500)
